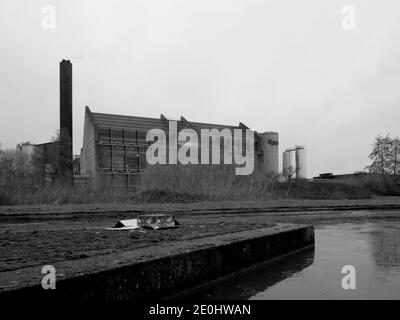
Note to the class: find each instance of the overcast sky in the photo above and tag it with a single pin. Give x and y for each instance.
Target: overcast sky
(285, 66)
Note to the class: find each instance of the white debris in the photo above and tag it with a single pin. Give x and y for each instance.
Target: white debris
(126, 225)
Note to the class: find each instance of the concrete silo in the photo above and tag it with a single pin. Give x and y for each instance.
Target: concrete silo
(301, 169)
(285, 161)
(270, 148)
(288, 164)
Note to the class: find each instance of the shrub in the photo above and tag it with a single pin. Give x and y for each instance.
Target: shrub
(379, 184)
(5, 200)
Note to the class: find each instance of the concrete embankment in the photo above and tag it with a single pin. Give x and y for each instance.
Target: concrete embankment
(158, 271)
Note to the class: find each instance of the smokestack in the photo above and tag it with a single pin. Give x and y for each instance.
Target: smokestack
(65, 159)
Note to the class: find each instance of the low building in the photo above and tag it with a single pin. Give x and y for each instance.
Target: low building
(43, 158)
(47, 155)
(331, 176)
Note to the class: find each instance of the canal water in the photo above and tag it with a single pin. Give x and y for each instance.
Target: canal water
(373, 248)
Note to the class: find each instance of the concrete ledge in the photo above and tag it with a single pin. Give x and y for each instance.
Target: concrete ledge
(205, 260)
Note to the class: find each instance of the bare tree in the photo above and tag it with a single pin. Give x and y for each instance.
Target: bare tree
(395, 156)
(56, 136)
(385, 155)
(288, 173)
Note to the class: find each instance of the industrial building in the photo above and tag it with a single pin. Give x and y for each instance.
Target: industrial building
(294, 163)
(114, 146)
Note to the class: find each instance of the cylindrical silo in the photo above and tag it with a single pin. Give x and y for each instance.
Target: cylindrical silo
(285, 161)
(270, 148)
(301, 169)
(288, 163)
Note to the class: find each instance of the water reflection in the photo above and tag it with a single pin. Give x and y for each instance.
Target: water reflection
(385, 244)
(373, 248)
(259, 279)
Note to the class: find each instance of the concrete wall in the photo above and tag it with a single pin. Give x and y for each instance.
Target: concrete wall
(88, 153)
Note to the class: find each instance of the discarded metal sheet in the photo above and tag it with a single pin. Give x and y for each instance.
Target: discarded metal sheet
(157, 221)
(126, 225)
(147, 221)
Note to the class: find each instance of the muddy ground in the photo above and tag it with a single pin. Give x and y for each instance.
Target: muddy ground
(35, 236)
(48, 244)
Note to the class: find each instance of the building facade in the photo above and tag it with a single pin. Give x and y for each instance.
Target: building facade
(114, 146)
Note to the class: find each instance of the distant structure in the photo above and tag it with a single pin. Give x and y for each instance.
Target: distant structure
(331, 176)
(294, 162)
(49, 154)
(24, 154)
(114, 146)
(45, 154)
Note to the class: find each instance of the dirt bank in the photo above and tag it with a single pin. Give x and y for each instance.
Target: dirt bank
(94, 210)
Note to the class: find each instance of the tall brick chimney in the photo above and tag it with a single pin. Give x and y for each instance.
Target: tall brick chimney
(65, 159)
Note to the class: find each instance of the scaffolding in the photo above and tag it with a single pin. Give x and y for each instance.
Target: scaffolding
(122, 155)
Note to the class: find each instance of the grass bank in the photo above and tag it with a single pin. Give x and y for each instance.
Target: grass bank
(198, 183)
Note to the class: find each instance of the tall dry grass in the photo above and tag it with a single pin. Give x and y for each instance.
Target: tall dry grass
(212, 182)
(220, 183)
(177, 183)
(60, 192)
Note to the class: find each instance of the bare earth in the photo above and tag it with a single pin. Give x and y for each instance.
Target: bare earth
(39, 235)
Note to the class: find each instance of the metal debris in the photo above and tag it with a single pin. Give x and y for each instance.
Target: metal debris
(147, 221)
